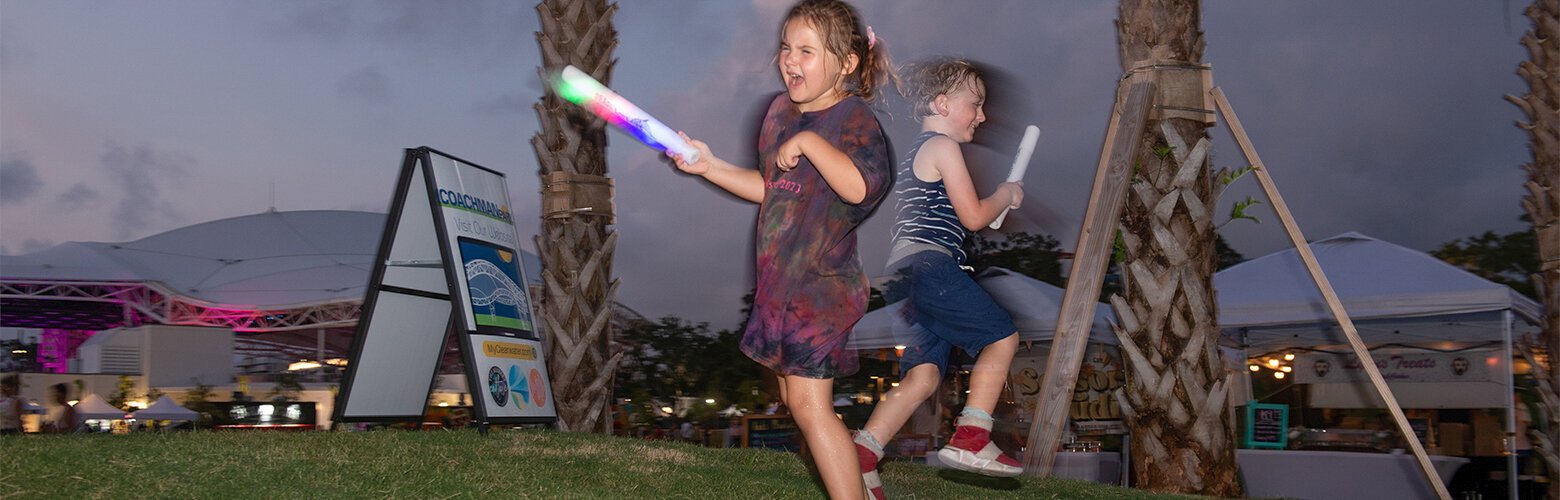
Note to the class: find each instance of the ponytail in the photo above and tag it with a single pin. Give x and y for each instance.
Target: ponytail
(876, 69)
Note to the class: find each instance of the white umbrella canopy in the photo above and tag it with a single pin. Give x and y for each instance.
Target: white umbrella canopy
(165, 409)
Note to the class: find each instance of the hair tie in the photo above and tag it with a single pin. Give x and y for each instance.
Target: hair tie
(871, 38)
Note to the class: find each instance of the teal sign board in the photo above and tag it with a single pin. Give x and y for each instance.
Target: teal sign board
(1267, 426)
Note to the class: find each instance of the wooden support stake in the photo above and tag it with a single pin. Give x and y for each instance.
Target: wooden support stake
(1333, 304)
(1134, 98)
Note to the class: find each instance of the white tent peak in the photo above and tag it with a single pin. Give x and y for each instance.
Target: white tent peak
(1348, 236)
(166, 409)
(93, 407)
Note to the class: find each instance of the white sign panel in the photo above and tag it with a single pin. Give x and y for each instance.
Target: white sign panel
(406, 313)
(481, 237)
(1400, 366)
(503, 353)
(515, 376)
(397, 360)
(449, 260)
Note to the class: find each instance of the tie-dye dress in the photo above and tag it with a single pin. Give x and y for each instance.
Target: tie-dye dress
(810, 285)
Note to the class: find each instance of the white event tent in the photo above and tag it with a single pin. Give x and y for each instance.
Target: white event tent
(93, 407)
(1399, 299)
(1393, 294)
(165, 409)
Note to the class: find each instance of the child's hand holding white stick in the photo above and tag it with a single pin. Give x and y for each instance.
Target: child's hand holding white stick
(1026, 148)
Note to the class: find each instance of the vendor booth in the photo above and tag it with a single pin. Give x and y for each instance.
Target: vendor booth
(1033, 305)
(1442, 338)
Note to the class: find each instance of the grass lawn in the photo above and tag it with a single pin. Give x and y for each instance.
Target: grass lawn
(450, 464)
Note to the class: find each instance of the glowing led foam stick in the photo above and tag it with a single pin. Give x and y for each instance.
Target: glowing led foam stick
(1026, 148)
(579, 88)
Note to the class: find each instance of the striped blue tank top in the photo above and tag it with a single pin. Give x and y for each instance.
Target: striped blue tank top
(922, 212)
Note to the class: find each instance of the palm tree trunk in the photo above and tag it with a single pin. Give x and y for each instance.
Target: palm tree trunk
(1541, 106)
(576, 245)
(1175, 400)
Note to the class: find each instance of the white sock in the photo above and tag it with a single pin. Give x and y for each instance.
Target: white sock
(866, 439)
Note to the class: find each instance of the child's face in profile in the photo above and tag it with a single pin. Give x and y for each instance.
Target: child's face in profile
(813, 76)
(966, 110)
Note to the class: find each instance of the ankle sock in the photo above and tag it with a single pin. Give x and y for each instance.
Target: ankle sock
(976, 413)
(867, 439)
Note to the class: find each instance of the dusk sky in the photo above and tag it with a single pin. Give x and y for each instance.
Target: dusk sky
(119, 120)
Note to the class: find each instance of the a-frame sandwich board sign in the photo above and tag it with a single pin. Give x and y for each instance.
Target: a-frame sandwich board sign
(447, 260)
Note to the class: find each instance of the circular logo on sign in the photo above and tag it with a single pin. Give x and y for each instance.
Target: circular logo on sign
(497, 386)
(1322, 367)
(538, 391)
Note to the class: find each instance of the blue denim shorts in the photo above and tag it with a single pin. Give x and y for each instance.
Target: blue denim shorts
(944, 308)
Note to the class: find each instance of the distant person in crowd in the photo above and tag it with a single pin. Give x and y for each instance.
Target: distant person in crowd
(64, 419)
(686, 430)
(733, 433)
(10, 406)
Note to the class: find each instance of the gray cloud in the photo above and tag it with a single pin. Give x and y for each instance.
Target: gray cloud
(18, 181)
(488, 30)
(140, 172)
(1374, 119)
(15, 54)
(28, 245)
(505, 105)
(368, 84)
(325, 21)
(80, 196)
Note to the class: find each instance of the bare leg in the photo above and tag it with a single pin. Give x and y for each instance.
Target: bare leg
(895, 409)
(780, 384)
(812, 405)
(991, 373)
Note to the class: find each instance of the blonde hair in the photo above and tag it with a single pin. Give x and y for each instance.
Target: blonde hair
(928, 78)
(844, 35)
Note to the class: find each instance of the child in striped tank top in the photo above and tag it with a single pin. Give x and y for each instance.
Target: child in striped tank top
(937, 207)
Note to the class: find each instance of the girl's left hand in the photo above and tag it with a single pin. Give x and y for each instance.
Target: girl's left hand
(791, 153)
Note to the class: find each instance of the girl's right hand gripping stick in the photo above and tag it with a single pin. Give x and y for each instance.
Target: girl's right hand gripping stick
(1026, 148)
(579, 88)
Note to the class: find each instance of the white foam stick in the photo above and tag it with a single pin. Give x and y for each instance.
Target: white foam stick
(1026, 148)
(579, 88)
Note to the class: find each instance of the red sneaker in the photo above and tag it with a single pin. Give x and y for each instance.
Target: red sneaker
(971, 450)
(869, 458)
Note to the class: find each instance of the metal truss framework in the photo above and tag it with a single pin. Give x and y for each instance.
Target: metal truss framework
(151, 302)
(294, 331)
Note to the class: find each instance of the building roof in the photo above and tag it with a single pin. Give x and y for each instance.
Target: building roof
(263, 262)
